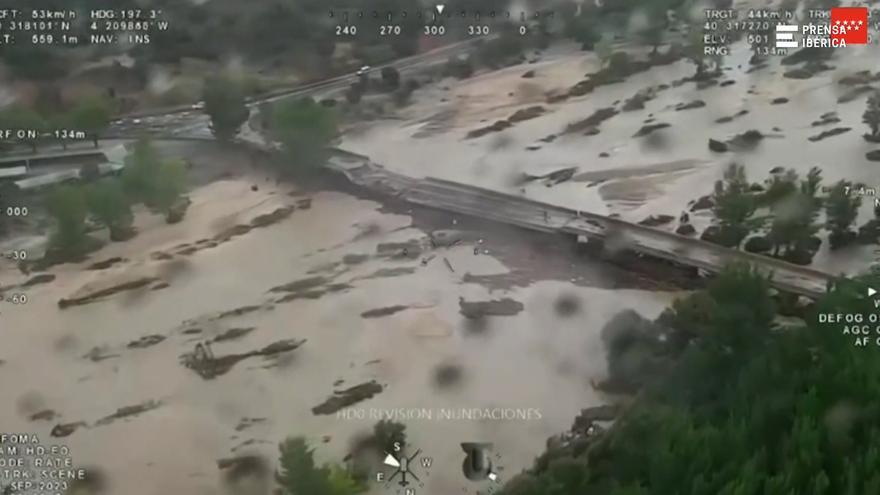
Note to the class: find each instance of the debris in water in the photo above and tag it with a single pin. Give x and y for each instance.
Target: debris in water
(129, 411)
(66, 429)
(104, 264)
(448, 264)
(233, 334)
(238, 312)
(44, 415)
(97, 354)
(90, 296)
(480, 309)
(246, 423)
(348, 397)
(42, 278)
(650, 128)
(829, 133)
(301, 285)
(386, 311)
(145, 341)
(209, 366)
(690, 105)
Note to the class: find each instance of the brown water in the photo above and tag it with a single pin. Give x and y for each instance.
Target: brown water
(534, 359)
(435, 146)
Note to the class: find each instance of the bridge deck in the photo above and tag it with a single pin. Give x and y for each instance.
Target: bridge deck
(534, 215)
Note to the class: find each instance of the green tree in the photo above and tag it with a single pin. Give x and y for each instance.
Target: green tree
(297, 472)
(342, 482)
(35, 62)
(67, 206)
(92, 116)
(734, 205)
(603, 49)
(583, 29)
(109, 205)
(305, 129)
(139, 174)
(794, 226)
(387, 433)
(158, 183)
(694, 50)
(769, 412)
(871, 117)
(841, 210)
(225, 105)
(170, 184)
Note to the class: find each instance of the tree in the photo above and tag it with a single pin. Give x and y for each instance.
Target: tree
(583, 29)
(841, 210)
(225, 105)
(694, 50)
(36, 62)
(769, 412)
(138, 176)
(793, 228)
(67, 205)
(387, 433)
(157, 182)
(653, 34)
(297, 472)
(299, 475)
(342, 482)
(871, 117)
(657, 22)
(734, 205)
(390, 77)
(108, 204)
(305, 129)
(170, 185)
(603, 49)
(92, 116)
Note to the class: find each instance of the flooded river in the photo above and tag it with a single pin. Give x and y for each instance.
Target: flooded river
(87, 361)
(667, 169)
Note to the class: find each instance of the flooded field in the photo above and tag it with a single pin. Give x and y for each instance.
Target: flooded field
(299, 296)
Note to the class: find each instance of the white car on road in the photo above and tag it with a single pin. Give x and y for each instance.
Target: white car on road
(363, 71)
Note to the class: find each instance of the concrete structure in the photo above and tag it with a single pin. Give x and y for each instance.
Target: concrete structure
(534, 215)
(61, 167)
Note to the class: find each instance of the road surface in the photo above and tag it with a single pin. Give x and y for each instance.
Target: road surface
(193, 123)
(534, 215)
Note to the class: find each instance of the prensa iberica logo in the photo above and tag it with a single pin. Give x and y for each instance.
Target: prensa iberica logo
(848, 26)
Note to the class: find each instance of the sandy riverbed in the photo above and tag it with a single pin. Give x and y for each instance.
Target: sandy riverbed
(79, 363)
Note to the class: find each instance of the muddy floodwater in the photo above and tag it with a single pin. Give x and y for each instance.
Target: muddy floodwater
(298, 296)
(617, 173)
